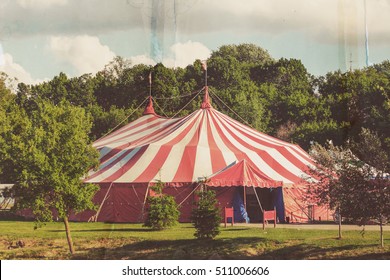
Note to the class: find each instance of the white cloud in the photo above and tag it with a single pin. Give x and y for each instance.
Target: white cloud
(85, 53)
(15, 70)
(186, 53)
(181, 55)
(319, 20)
(142, 59)
(1, 56)
(40, 4)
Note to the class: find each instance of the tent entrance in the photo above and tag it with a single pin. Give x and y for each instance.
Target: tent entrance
(269, 198)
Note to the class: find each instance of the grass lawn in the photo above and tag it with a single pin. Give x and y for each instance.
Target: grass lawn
(132, 241)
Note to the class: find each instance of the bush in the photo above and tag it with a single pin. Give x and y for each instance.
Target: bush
(162, 209)
(206, 216)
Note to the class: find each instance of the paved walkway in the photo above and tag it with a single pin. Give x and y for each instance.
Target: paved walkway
(320, 226)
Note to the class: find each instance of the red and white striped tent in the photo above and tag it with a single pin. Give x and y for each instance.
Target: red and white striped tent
(180, 152)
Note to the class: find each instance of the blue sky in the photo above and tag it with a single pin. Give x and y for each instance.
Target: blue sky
(40, 38)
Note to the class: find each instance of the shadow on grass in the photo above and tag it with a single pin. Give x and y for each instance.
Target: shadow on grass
(237, 248)
(110, 230)
(187, 249)
(372, 256)
(235, 229)
(307, 251)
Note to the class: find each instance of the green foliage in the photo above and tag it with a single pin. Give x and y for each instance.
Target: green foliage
(279, 97)
(355, 185)
(206, 216)
(162, 209)
(49, 155)
(244, 53)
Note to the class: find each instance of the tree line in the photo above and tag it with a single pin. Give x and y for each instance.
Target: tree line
(278, 97)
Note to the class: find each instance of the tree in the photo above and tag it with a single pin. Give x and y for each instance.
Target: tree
(49, 154)
(162, 209)
(355, 186)
(206, 216)
(376, 169)
(289, 95)
(244, 53)
(359, 98)
(328, 190)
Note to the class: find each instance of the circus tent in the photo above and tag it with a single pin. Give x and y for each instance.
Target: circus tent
(183, 151)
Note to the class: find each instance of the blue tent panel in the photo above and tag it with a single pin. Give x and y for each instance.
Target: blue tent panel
(278, 203)
(240, 214)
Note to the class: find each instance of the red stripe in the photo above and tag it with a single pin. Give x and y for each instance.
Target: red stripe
(127, 127)
(266, 138)
(128, 165)
(144, 140)
(158, 135)
(154, 166)
(133, 133)
(186, 166)
(243, 155)
(280, 169)
(217, 159)
(155, 136)
(118, 159)
(281, 149)
(158, 161)
(238, 153)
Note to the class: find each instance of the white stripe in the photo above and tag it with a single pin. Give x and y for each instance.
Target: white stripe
(122, 129)
(112, 159)
(227, 154)
(136, 133)
(202, 166)
(150, 154)
(292, 148)
(114, 168)
(171, 164)
(255, 158)
(274, 153)
(129, 139)
(253, 132)
(140, 166)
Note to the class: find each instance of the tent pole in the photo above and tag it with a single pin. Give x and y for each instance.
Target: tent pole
(143, 205)
(95, 217)
(189, 195)
(245, 198)
(258, 200)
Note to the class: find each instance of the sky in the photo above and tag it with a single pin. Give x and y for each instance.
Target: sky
(41, 38)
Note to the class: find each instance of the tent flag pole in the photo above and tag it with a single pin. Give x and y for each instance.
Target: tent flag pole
(204, 67)
(150, 83)
(258, 200)
(95, 217)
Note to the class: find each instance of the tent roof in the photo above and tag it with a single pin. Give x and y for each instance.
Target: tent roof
(242, 174)
(179, 151)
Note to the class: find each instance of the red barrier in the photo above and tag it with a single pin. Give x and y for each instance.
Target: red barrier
(229, 213)
(269, 215)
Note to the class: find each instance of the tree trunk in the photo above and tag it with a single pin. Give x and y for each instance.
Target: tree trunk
(68, 236)
(340, 235)
(381, 227)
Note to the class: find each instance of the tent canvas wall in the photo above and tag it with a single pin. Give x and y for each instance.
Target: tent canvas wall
(182, 151)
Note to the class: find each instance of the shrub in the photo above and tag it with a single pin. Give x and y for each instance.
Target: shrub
(162, 209)
(206, 216)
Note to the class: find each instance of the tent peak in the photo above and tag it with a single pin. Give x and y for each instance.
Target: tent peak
(206, 99)
(149, 110)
